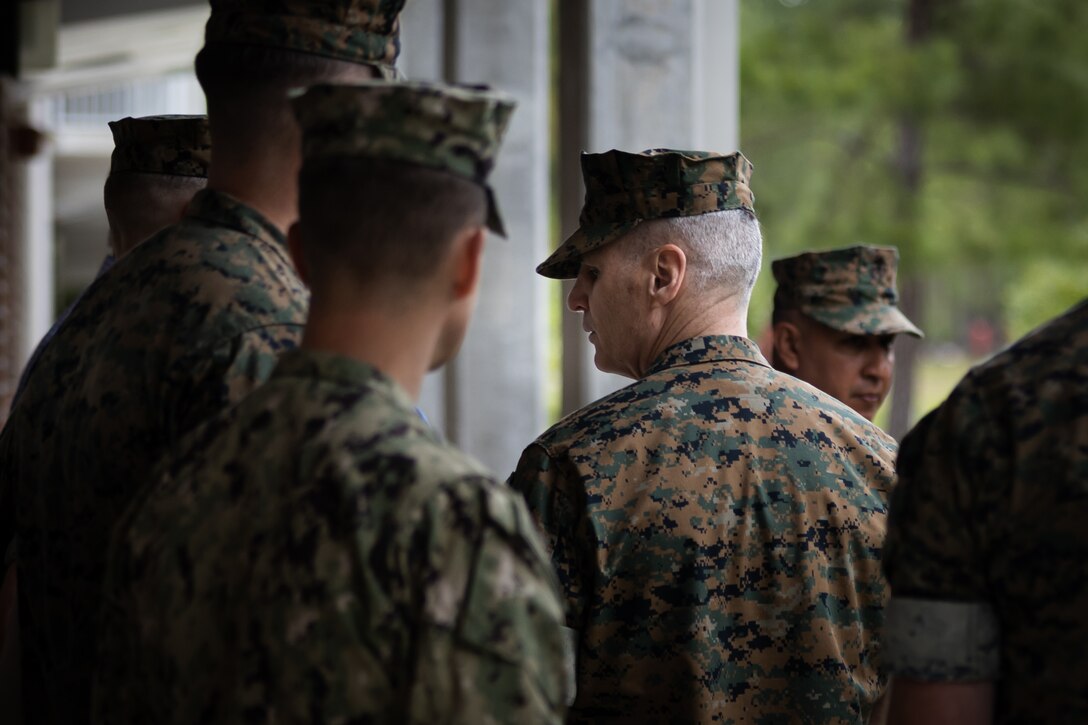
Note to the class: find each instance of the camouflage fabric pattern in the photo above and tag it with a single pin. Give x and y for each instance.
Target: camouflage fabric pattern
(456, 129)
(623, 189)
(170, 145)
(318, 554)
(850, 289)
(989, 515)
(183, 326)
(717, 529)
(360, 31)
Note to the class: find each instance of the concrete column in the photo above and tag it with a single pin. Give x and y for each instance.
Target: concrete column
(639, 74)
(423, 31)
(36, 238)
(494, 392)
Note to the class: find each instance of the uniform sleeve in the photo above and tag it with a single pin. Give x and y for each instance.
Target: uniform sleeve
(554, 502)
(208, 380)
(490, 646)
(940, 623)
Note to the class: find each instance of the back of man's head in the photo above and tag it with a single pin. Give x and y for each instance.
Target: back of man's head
(385, 222)
(724, 250)
(256, 51)
(700, 201)
(392, 173)
(138, 205)
(158, 164)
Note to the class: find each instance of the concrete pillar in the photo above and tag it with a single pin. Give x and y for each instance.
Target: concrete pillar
(495, 395)
(37, 238)
(35, 248)
(423, 32)
(638, 74)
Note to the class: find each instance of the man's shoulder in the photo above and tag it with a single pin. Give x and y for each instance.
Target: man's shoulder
(748, 396)
(1026, 399)
(195, 284)
(1046, 361)
(215, 266)
(362, 436)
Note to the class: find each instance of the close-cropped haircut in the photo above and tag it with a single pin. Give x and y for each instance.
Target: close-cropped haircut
(384, 220)
(133, 186)
(724, 248)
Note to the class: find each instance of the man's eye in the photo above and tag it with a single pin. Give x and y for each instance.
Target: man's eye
(591, 272)
(855, 342)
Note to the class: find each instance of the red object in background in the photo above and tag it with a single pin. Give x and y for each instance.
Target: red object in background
(980, 337)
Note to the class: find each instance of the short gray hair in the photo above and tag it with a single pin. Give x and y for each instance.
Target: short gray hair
(724, 248)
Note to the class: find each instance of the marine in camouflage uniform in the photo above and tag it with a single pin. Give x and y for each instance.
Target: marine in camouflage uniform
(717, 525)
(987, 539)
(835, 319)
(165, 147)
(318, 554)
(182, 327)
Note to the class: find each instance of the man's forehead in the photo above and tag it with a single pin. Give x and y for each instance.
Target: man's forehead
(605, 254)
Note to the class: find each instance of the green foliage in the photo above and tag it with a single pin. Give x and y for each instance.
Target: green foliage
(1045, 288)
(997, 91)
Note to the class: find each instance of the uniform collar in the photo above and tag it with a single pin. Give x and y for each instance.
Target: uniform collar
(341, 371)
(226, 211)
(712, 348)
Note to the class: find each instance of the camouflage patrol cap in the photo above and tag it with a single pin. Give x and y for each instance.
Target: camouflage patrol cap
(360, 31)
(623, 189)
(851, 289)
(171, 145)
(455, 129)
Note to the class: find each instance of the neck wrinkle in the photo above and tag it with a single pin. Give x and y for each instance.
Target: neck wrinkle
(688, 320)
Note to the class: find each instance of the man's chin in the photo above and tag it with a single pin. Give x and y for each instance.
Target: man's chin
(602, 363)
(867, 406)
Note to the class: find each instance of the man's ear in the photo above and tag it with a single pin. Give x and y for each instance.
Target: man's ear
(668, 266)
(294, 247)
(468, 254)
(787, 346)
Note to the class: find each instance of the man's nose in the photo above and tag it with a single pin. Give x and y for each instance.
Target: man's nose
(576, 299)
(879, 363)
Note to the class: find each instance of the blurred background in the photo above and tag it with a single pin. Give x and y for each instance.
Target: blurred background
(952, 129)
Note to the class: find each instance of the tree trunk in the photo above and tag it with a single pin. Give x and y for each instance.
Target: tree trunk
(908, 169)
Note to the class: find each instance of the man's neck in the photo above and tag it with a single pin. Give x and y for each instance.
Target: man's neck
(269, 186)
(399, 345)
(691, 320)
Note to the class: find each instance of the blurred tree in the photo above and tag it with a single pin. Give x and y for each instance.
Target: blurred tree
(952, 129)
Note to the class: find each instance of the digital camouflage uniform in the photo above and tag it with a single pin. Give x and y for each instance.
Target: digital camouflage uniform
(184, 325)
(851, 289)
(716, 525)
(318, 554)
(987, 540)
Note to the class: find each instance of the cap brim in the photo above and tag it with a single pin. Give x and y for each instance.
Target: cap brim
(875, 319)
(565, 261)
(494, 221)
